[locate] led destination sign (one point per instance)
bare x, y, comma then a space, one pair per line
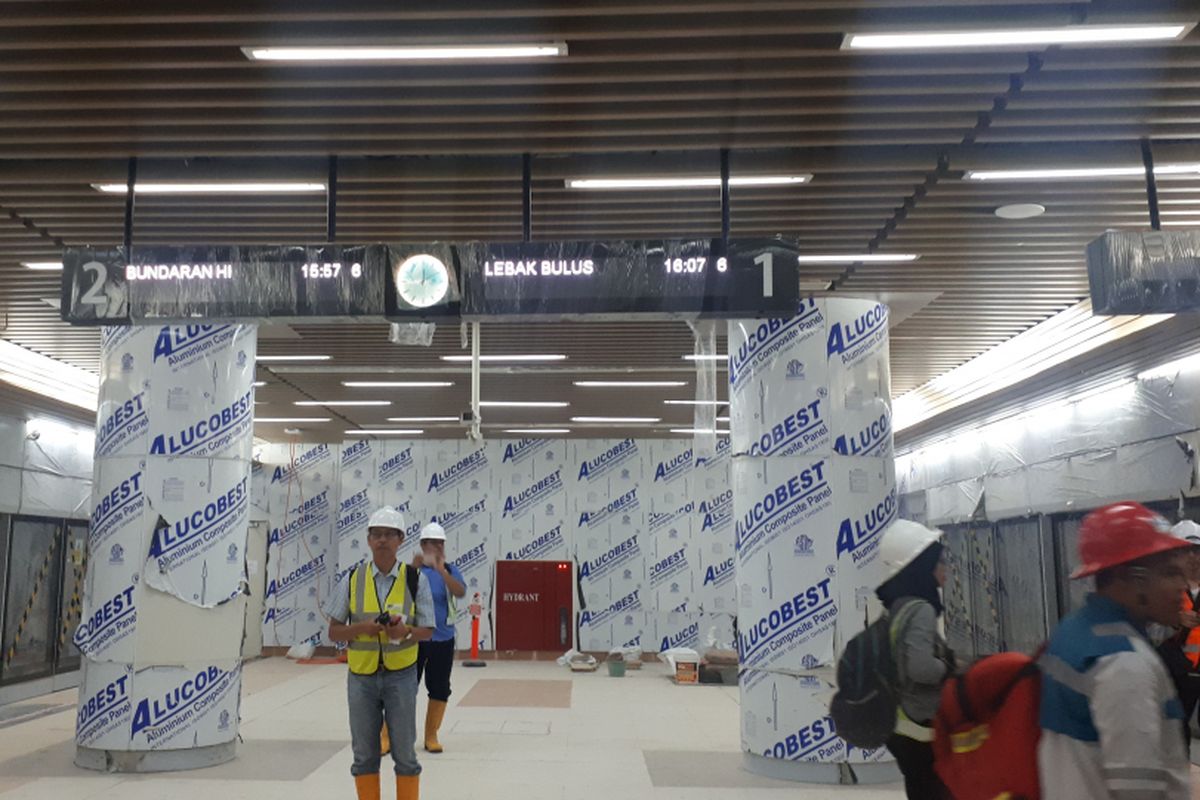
664, 279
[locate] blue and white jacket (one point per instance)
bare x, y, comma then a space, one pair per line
1111, 721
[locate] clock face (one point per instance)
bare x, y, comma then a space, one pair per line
422, 281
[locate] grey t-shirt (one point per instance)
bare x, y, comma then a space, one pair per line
922, 660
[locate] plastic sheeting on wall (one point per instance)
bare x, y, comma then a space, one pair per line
648, 523
1133, 441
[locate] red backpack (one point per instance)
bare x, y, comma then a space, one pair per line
987, 730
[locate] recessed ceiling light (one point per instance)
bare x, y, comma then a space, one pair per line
700, 431
536, 431
44, 266
290, 419
699, 182
696, 402
215, 187
1078, 173
384, 432
722, 419
1020, 211
713, 357
630, 384
616, 420
334, 403
857, 258
407, 53
411, 420
517, 357
1015, 37
396, 384
292, 358
522, 404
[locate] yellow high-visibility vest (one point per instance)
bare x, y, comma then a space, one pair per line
365, 652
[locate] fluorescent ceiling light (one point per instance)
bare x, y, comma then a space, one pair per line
630, 384
616, 420
1065, 336
334, 403
1078, 173
535, 431
700, 431
1015, 37
522, 404
514, 358
722, 419
396, 384
257, 384
411, 420
684, 182
696, 402
215, 187
48, 377
292, 358
857, 258
384, 432
407, 53
1020, 211
714, 357
44, 266
290, 419
1171, 369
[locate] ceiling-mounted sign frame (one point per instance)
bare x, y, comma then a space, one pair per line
665, 279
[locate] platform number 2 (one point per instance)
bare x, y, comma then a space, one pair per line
93, 296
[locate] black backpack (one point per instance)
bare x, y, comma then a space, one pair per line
864, 708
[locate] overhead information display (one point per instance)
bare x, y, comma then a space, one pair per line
705, 277
476, 280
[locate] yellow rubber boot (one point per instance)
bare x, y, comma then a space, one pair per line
408, 787
367, 786
433, 721
385, 743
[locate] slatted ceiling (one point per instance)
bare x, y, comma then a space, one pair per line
647, 89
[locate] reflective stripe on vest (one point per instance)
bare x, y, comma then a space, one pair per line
365, 652
1191, 638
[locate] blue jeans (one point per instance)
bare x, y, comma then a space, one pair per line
372, 699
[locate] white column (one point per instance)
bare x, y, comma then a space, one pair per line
164, 606
813, 488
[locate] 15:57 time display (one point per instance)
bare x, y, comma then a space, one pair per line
329, 270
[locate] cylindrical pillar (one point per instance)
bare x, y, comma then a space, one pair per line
813, 488
164, 609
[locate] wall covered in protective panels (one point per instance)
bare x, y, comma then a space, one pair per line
648, 524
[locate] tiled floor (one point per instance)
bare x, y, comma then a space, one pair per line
612, 738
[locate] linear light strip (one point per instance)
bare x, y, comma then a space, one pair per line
700, 431
1079, 173
267, 420
616, 420
630, 384
685, 182
291, 358
408, 52
411, 420
857, 258
43, 266
215, 187
1015, 37
520, 357
1064, 336
397, 384
384, 432
523, 404
348, 403
536, 431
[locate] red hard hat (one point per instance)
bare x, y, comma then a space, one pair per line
1121, 533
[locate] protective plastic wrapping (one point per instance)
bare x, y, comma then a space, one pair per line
704, 415
1145, 272
648, 525
1129, 442
813, 490
162, 607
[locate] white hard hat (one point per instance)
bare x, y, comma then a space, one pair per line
387, 517
433, 531
1188, 531
903, 541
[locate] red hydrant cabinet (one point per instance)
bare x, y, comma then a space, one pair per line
535, 605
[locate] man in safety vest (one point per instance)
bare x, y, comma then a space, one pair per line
382, 610
1109, 712
1187, 640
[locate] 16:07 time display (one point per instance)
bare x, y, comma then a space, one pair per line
329, 270
693, 265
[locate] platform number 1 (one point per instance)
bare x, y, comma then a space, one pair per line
767, 260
